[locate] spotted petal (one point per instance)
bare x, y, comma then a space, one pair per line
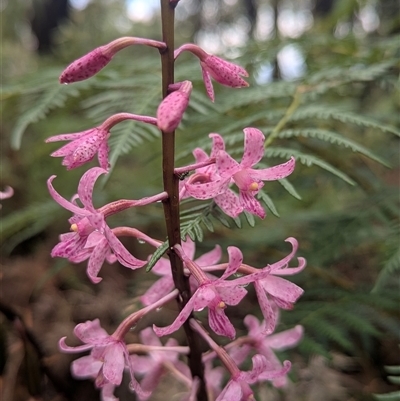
276, 172
253, 147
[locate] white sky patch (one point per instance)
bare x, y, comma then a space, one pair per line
291, 62
79, 4
293, 23
369, 18
139, 10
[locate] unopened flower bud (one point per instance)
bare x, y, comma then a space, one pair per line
91, 63
171, 109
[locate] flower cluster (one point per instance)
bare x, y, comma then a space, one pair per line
211, 286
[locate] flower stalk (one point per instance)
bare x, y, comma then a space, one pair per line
171, 205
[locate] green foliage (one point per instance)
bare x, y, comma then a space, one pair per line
394, 377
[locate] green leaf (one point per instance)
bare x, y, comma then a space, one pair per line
160, 251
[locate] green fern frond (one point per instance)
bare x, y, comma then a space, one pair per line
329, 112
332, 137
25, 223
307, 160
309, 346
39, 106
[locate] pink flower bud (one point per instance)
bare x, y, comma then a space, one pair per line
91, 63
171, 109
86, 66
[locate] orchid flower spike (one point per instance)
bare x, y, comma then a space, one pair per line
171, 109
222, 71
84, 145
94, 61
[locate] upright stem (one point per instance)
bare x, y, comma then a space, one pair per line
171, 204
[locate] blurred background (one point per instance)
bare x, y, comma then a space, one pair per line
324, 78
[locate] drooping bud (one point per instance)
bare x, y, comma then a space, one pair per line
171, 109
91, 63
224, 72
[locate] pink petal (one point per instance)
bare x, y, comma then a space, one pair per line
189, 247
251, 204
282, 289
218, 144
148, 337
203, 296
253, 325
253, 147
7, 193
160, 288
62, 201
162, 267
200, 155
86, 185
65, 150
210, 258
268, 312
123, 255
69, 246
114, 363
285, 339
107, 393
235, 260
231, 295
68, 137
276, 374
150, 381
226, 166
276, 172
72, 350
225, 73
86, 367
229, 203
220, 324
96, 261
231, 392
182, 317
207, 83
207, 190
260, 364
91, 332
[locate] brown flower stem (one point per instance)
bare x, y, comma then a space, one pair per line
171, 204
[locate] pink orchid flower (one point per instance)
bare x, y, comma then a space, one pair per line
86, 221
281, 293
163, 268
248, 180
266, 345
85, 145
153, 366
222, 71
228, 201
215, 294
238, 389
107, 360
